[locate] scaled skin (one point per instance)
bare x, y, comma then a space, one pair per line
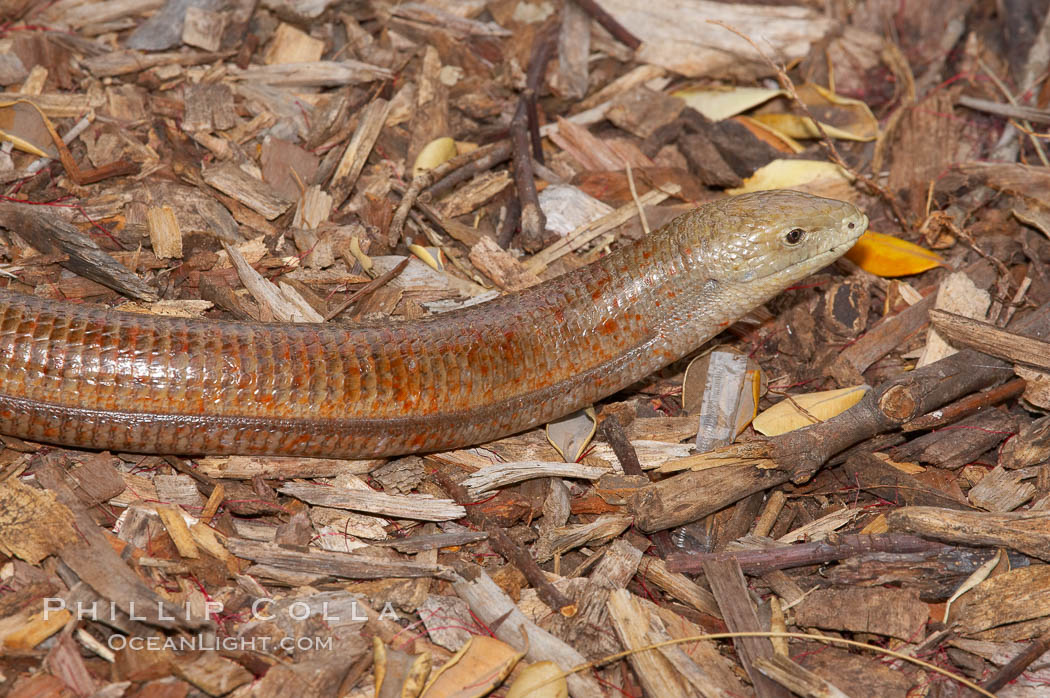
103, 379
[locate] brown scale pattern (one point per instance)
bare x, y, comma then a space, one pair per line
96, 378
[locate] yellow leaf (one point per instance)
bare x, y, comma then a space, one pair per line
781, 141
540, 680
717, 103
841, 117
885, 255
795, 126
786, 416
478, 667
791, 174
434, 153
431, 256
27, 127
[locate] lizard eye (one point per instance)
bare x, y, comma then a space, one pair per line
794, 236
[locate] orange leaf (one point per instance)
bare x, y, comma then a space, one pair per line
885, 255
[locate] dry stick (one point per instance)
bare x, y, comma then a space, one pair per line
1012, 669
967, 406
542, 52
490, 154
757, 562
609, 23
368, 288
533, 222
463, 167
613, 432
614, 435
509, 225
825, 140
504, 545
523, 128
797, 455
1006, 93
896, 402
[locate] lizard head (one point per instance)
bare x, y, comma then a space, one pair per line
777, 236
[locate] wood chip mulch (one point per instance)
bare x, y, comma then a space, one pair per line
356, 161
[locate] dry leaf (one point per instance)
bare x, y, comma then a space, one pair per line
885, 255
571, 434
787, 416
474, 670
434, 153
791, 174
27, 128
540, 680
717, 103
841, 117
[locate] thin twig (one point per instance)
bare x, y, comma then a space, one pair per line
609, 23
1010, 98
533, 222
368, 288
634, 195
1012, 669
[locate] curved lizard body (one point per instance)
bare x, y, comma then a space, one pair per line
104, 379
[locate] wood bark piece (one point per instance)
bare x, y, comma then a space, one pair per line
894, 613
214, 674
1011, 597
989, 339
92, 558
282, 303
498, 612
501, 474
459, 25
1026, 532
434, 541
500, 266
631, 623
734, 600
574, 48
52, 235
694, 495
1029, 447
314, 74
878, 477
248, 467
601, 530
417, 507
677, 585
589, 231
678, 37
587, 628
1000, 490
371, 123
117, 63
254, 193
164, 233
203, 28
796, 678
33, 525
840, 547
887, 336
471, 196
334, 564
